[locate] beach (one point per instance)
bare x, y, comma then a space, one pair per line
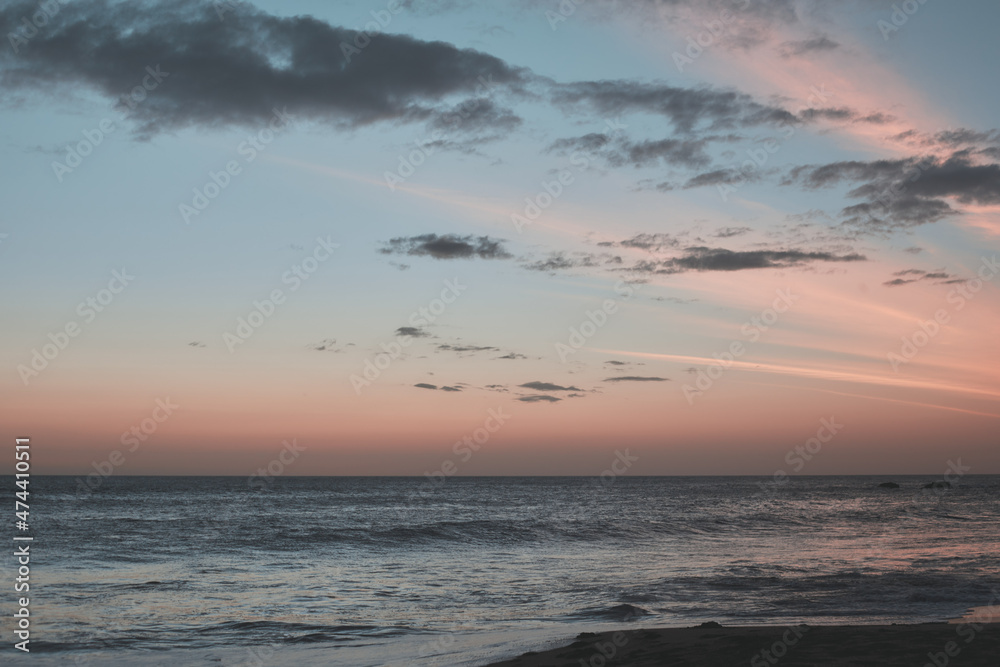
928, 644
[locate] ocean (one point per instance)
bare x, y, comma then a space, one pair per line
400, 571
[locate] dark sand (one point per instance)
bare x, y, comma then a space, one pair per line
875, 645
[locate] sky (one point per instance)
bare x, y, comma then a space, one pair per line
527, 238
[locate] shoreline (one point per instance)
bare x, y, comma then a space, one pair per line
961, 642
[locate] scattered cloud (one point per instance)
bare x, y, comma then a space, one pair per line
720, 259
653, 242
447, 347
425, 385
908, 276
687, 109
903, 193
412, 332
806, 46
327, 345
559, 261
729, 232
623, 152
547, 386
447, 246
725, 176
636, 378
538, 398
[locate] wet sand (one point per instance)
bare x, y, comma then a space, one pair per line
931, 644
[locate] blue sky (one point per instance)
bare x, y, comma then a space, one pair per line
839, 113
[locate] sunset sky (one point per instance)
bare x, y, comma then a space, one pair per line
567, 213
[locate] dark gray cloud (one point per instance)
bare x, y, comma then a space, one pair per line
424, 385
729, 232
622, 152
560, 261
446, 347
908, 276
539, 399
474, 115
687, 109
196, 343
683, 152
589, 142
636, 378
513, 355
547, 386
447, 246
905, 192
805, 46
875, 118
238, 70
327, 345
413, 332
654, 242
724, 176
842, 113
975, 141
845, 114
720, 259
